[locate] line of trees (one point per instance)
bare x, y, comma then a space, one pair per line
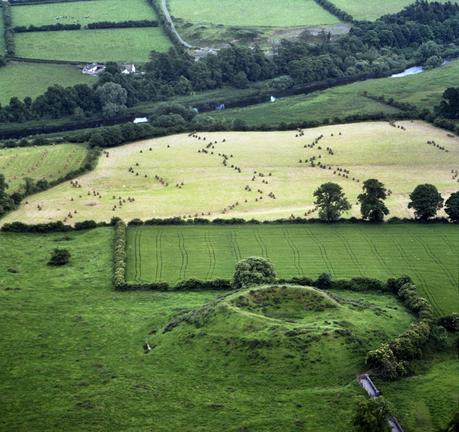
10, 47
425, 201
46, 28
334, 10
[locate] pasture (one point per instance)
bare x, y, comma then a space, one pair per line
250, 13
38, 77
82, 12
173, 176
373, 9
429, 254
129, 45
2, 30
87, 352
45, 162
423, 90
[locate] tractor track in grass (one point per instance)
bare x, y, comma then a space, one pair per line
349, 250
322, 250
234, 245
212, 258
261, 244
434, 258
159, 260
295, 251
375, 251
184, 254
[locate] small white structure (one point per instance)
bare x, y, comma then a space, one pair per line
140, 120
273, 99
128, 69
93, 69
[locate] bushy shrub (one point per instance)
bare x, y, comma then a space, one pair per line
119, 256
59, 257
253, 271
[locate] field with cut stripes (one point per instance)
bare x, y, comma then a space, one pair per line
45, 162
429, 254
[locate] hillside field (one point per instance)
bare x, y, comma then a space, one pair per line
429, 254
153, 188
85, 368
423, 90
38, 76
129, 45
44, 162
2, 39
252, 13
82, 12
373, 9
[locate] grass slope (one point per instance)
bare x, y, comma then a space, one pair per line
423, 90
429, 254
252, 13
400, 159
32, 79
46, 162
373, 9
82, 12
2, 30
130, 45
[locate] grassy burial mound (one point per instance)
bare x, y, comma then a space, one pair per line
207, 21
427, 253
423, 90
262, 175
49, 162
296, 347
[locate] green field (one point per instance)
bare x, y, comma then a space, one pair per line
2, 39
373, 149
373, 9
130, 45
423, 90
82, 12
32, 79
252, 13
45, 162
83, 367
430, 254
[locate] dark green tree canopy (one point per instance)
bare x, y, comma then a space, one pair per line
253, 271
452, 207
372, 199
425, 201
371, 415
332, 201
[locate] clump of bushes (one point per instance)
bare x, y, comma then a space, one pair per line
253, 271
119, 256
59, 257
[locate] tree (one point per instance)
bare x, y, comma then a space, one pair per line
253, 271
371, 201
113, 99
6, 202
59, 257
331, 201
449, 106
452, 207
371, 415
426, 201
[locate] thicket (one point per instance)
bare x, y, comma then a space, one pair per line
119, 255
46, 28
122, 24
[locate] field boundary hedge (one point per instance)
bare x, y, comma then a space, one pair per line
10, 47
336, 11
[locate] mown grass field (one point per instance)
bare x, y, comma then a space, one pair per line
250, 13
373, 9
130, 45
400, 159
423, 90
37, 163
72, 356
82, 12
429, 254
32, 79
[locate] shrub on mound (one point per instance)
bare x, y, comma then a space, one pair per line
253, 271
